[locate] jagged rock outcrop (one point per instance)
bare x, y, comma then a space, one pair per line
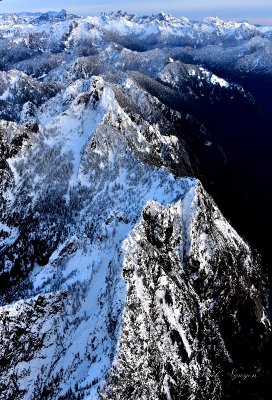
186, 268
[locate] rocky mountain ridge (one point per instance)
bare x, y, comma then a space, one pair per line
120, 277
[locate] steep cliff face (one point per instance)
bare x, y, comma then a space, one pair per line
120, 278
193, 307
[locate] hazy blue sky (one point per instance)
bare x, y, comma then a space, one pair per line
252, 10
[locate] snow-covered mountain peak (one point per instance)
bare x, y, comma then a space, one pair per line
120, 277
55, 16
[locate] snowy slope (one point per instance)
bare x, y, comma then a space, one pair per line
120, 278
